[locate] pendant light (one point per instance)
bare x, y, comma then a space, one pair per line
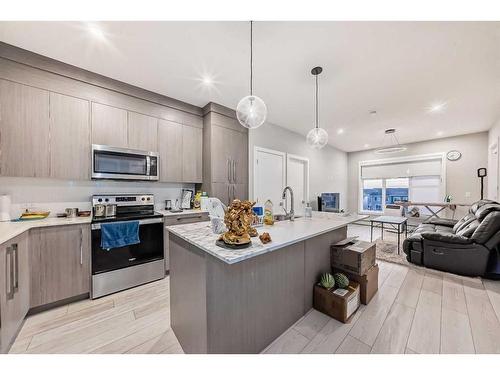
251, 110
317, 137
393, 145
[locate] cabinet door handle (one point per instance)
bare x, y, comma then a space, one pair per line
229, 170
10, 290
234, 171
81, 246
15, 249
189, 217
228, 194
234, 194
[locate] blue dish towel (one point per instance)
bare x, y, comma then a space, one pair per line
119, 234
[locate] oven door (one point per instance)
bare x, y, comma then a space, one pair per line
123, 164
150, 248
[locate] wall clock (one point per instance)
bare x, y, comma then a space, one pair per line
453, 155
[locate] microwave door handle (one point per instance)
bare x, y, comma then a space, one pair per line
148, 165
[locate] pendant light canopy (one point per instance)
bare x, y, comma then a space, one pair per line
393, 144
251, 110
317, 137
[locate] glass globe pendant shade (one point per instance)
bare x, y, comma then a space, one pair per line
251, 112
317, 138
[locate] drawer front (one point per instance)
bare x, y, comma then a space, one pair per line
186, 218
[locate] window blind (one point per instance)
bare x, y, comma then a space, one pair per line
404, 169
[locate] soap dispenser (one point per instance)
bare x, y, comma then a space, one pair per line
308, 211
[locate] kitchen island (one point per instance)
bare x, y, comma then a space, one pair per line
239, 301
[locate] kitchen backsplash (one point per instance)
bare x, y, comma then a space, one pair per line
56, 195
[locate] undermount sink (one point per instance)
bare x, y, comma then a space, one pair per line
281, 217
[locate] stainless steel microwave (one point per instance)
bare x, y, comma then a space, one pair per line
124, 164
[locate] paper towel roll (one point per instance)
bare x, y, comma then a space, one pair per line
5, 207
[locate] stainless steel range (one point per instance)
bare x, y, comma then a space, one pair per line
128, 266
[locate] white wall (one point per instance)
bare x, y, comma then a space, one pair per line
461, 175
55, 195
493, 171
327, 167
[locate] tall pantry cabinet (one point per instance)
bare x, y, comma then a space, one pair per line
225, 154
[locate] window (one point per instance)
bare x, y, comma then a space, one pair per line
372, 195
426, 189
396, 190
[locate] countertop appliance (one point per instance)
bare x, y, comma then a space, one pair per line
125, 267
124, 164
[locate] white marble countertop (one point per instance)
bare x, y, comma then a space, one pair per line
282, 233
11, 229
183, 212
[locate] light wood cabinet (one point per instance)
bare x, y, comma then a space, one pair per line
170, 150
69, 137
14, 288
109, 125
60, 263
221, 160
24, 130
192, 144
142, 132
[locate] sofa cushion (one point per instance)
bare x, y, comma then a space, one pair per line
477, 205
468, 229
463, 222
487, 228
447, 237
441, 221
485, 210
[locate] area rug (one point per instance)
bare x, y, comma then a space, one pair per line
388, 252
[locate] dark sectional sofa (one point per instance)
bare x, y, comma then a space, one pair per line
464, 246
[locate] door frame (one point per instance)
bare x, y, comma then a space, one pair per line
306, 162
256, 150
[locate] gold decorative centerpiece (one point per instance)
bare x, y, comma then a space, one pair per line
238, 219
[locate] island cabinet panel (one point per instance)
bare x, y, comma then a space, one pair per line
14, 288
317, 260
170, 149
109, 125
24, 130
60, 263
142, 132
192, 146
252, 302
69, 137
188, 295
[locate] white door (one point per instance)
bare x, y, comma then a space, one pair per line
297, 175
493, 172
269, 176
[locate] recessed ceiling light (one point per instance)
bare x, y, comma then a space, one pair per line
439, 133
207, 80
96, 31
437, 107
366, 145
340, 131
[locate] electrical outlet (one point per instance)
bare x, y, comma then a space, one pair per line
467, 194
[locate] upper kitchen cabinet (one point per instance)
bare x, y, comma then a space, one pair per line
109, 126
24, 130
192, 144
170, 150
225, 154
142, 132
69, 137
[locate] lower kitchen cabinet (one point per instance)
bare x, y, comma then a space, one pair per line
60, 263
14, 288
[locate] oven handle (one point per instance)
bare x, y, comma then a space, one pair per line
148, 165
96, 226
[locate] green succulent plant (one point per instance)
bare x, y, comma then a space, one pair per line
341, 280
327, 281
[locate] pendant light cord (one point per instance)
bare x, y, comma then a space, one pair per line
251, 57
317, 101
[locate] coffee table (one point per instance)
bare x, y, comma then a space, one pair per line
391, 220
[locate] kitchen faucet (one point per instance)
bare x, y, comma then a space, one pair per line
289, 215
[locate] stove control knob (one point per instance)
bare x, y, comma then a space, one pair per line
149, 199
99, 200
143, 198
106, 200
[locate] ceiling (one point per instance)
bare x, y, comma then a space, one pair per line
398, 69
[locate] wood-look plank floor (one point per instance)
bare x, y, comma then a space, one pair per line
416, 310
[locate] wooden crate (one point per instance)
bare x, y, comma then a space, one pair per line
338, 307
